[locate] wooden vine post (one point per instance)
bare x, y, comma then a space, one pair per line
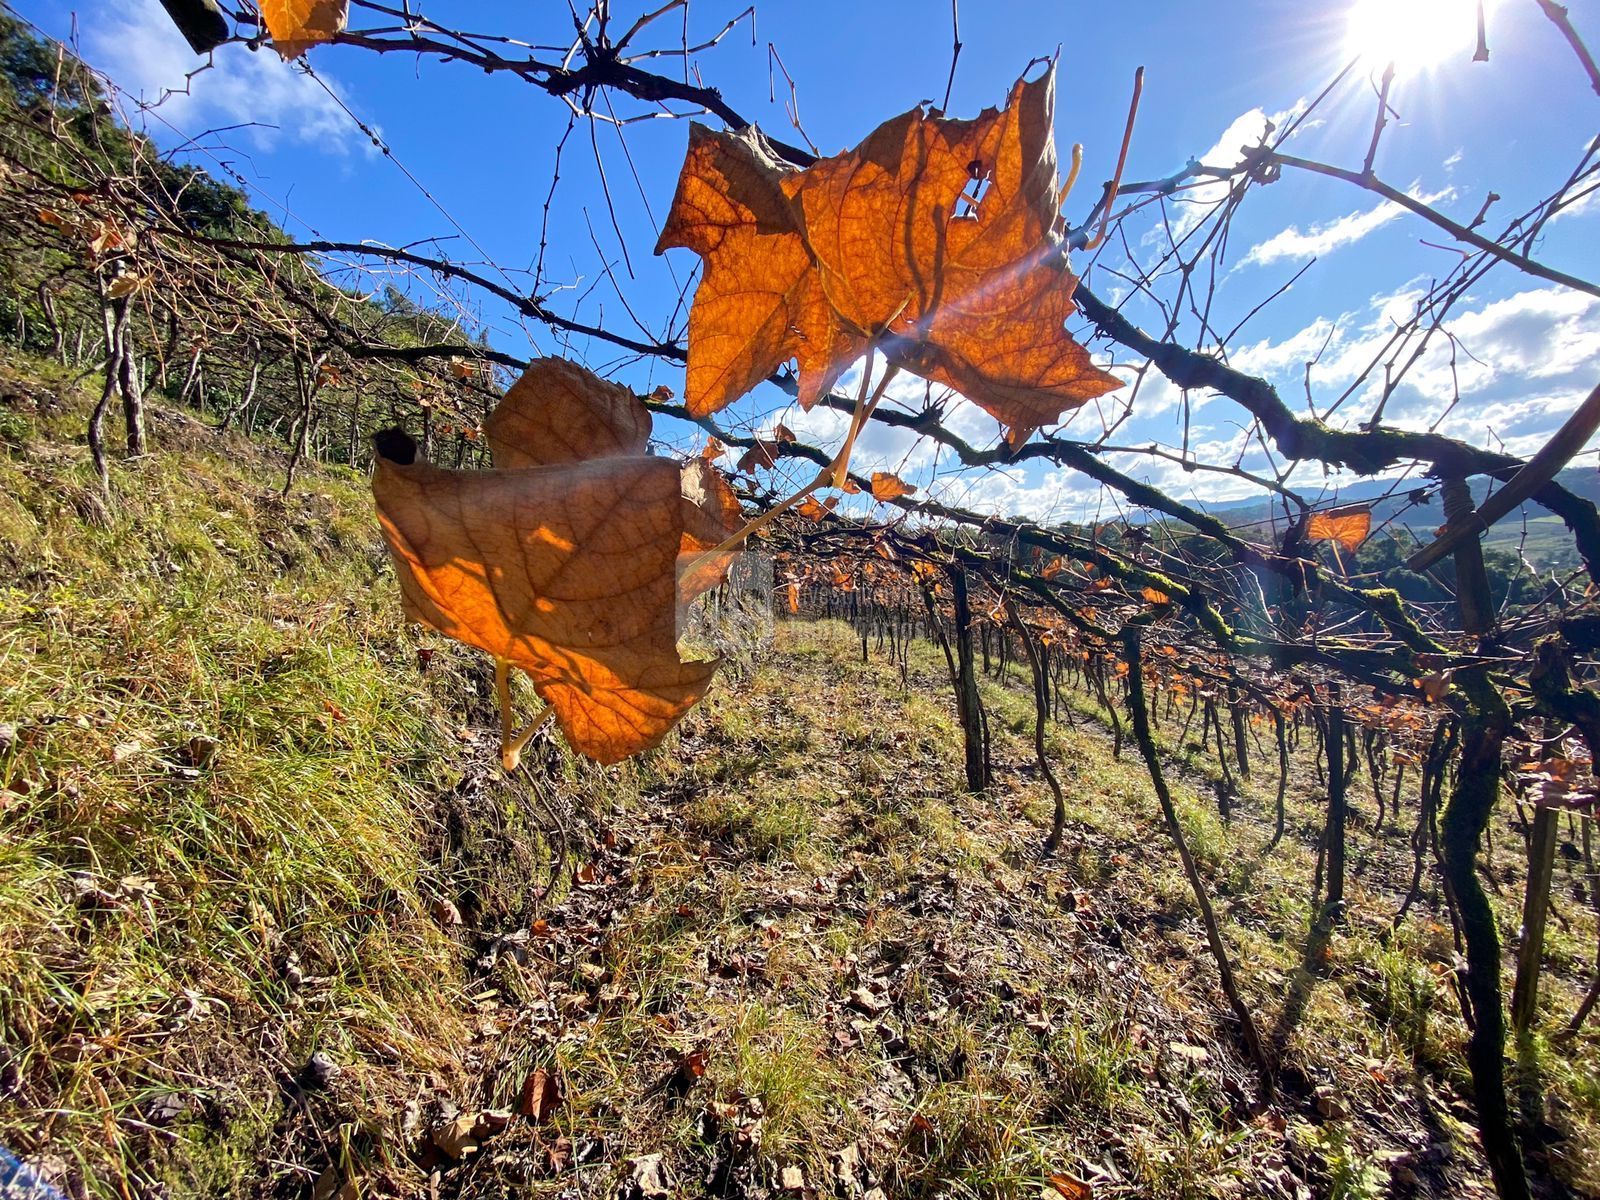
1041, 715
1535, 910
1337, 809
969, 704
1485, 723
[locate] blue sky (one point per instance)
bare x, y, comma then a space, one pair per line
473, 155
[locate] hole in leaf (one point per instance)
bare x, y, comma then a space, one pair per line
967, 206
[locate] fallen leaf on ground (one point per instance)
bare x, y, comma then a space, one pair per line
541, 1095
647, 1178
1068, 1186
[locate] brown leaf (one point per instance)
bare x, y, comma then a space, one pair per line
567, 572
1155, 595
125, 285
559, 412
557, 1155
1347, 526
457, 1139
541, 1096
888, 487
886, 237
297, 25
763, 455
1070, 1187
689, 1068
1435, 686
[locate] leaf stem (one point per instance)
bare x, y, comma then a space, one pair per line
511, 752
835, 474
1122, 161
511, 744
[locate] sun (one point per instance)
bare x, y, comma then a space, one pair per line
1414, 35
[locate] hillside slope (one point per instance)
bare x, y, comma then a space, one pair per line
272, 921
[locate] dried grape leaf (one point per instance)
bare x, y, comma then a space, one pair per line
568, 572
889, 241
297, 25
559, 412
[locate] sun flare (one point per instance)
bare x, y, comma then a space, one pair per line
1414, 35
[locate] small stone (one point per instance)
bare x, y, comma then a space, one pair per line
792, 1179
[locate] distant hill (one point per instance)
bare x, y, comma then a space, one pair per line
1543, 538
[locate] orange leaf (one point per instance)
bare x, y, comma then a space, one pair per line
759, 302
568, 572
888, 487
794, 597
297, 25
1070, 1187
1155, 596
799, 262
1435, 686
1347, 526
559, 412
713, 450
107, 237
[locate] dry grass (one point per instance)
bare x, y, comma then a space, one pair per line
883, 982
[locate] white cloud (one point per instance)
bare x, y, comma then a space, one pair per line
139, 49
1272, 359
1586, 204
1529, 349
1247, 130
1328, 236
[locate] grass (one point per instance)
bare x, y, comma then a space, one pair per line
219, 792
235, 802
